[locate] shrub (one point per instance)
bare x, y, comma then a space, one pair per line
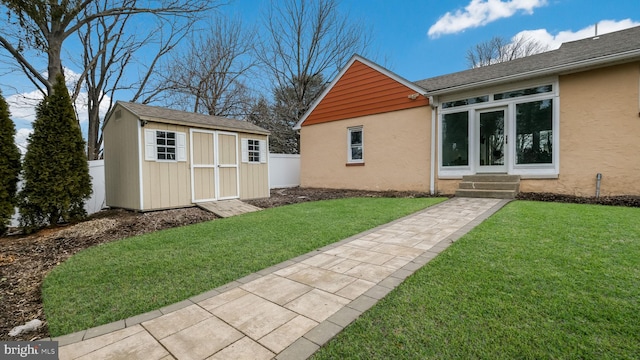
56, 173
9, 166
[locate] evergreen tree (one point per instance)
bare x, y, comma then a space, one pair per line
9, 166
56, 172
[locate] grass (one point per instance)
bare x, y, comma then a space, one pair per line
136, 275
534, 281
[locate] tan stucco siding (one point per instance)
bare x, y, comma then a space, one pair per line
121, 161
166, 184
395, 151
254, 177
599, 133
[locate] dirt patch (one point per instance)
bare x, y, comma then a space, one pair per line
25, 260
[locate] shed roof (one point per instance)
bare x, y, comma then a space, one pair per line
161, 114
619, 46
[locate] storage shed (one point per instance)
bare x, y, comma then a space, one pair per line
158, 158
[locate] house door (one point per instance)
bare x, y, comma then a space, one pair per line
214, 165
490, 127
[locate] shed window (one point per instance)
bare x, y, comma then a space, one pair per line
356, 145
166, 141
161, 145
253, 147
254, 151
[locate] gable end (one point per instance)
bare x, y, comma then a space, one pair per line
363, 90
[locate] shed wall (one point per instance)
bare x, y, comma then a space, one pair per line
122, 170
254, 178
396, 152
166, 184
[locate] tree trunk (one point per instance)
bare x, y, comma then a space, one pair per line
55, 63
93, 147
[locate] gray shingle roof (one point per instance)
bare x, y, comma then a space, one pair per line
621, 45
156, 113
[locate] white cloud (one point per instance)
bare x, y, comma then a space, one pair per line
479, 13
554, 41
23, 106
21, 139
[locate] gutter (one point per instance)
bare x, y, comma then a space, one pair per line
432, 175
553, 70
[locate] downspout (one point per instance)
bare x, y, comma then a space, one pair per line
432, 176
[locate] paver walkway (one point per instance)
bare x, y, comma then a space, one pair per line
289, 310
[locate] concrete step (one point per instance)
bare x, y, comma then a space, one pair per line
478, 193
491, 178
490, 185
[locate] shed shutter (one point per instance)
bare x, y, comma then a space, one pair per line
181, 146
150, 145
245, 151
263, 151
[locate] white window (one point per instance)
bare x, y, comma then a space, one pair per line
166, 145
356, 145
253, 148
254, 151
527, 133
161, 145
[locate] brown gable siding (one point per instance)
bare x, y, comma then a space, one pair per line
363, 91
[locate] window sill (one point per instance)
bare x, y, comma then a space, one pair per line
355, 164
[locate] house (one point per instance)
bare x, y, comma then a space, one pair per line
158, 158
554, 121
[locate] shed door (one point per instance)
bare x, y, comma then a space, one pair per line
203, 166
228, 179
214, 165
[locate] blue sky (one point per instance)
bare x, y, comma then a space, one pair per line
424, 38
400, 29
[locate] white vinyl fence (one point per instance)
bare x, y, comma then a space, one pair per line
97, 200
284, 171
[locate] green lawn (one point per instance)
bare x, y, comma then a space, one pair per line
534, 281
136, 275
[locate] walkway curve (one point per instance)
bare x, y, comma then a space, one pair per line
289, 310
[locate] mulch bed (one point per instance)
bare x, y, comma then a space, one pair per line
25, 260
630, 201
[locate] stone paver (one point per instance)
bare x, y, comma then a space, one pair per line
289, 310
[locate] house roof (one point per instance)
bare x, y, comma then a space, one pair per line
619, 46
161, 114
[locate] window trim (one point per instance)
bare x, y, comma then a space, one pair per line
350, 146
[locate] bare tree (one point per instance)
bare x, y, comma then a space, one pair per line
210, 76
42, 26
111, 46
305, 39
499, 50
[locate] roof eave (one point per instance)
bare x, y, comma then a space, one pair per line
554, 70
208, 126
